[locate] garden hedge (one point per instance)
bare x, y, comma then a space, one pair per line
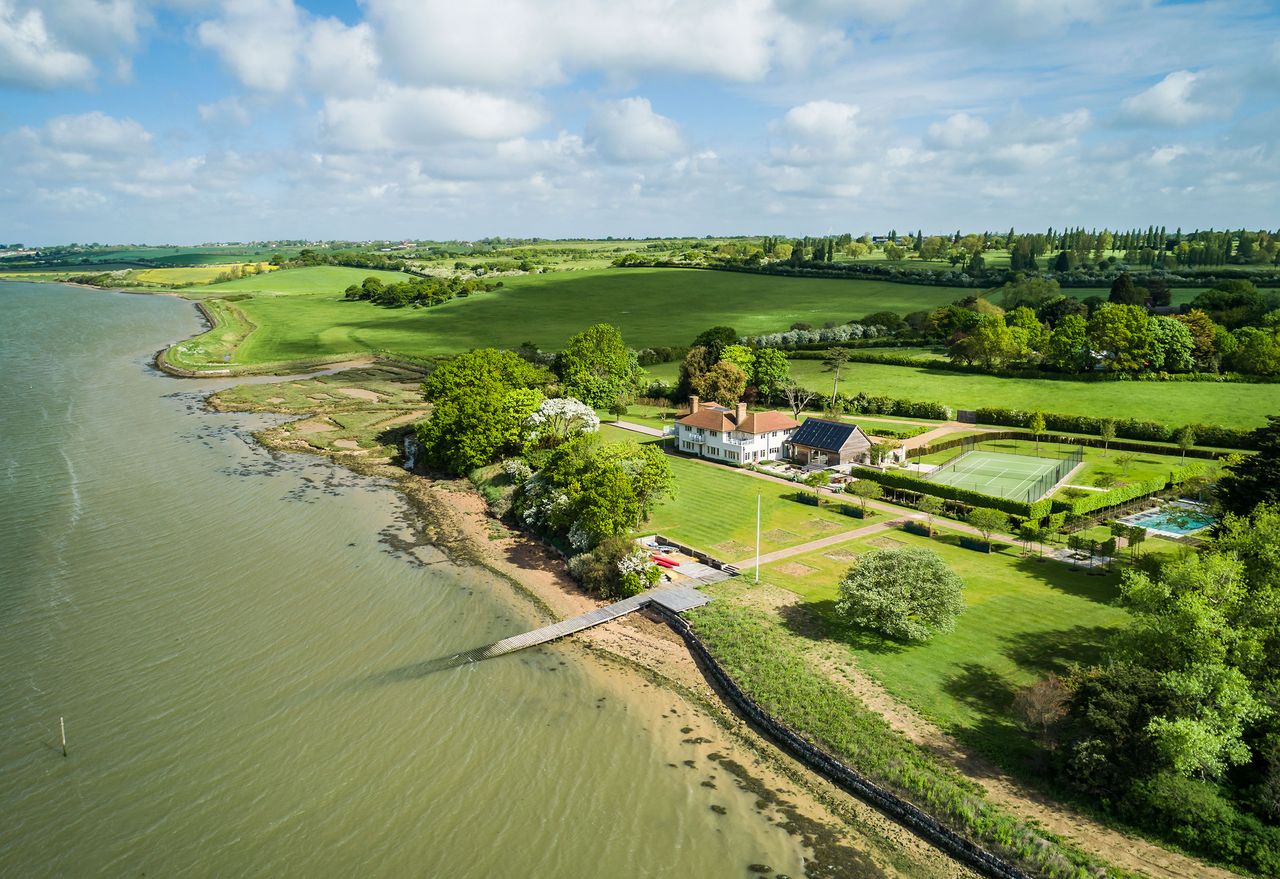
1129, 428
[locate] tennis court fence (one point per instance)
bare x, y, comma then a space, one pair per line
1065, 460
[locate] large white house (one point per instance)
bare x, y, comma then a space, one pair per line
733, 435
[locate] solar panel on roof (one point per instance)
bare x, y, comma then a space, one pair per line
821, 434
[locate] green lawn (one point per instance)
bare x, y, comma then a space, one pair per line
714, 510
1024, 619
1177, 403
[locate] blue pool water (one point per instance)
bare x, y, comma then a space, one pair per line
1173, 520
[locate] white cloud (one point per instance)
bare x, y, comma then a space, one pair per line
258, 40
958, 131
629, 131
31, 56
415, 119
1181, 98
502, 42
96, 134
817, 132
339, 59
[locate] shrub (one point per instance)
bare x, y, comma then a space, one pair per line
907, 594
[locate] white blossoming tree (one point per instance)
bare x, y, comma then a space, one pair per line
560, 419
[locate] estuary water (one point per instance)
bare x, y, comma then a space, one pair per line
227, 633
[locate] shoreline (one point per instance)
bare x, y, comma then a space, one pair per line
639, 654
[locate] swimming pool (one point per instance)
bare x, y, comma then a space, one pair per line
1176, 520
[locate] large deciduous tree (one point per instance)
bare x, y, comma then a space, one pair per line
597, 368
724, 383
480, 405
769, 372
906, 594
1123, 335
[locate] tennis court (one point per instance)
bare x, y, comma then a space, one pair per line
1017, 477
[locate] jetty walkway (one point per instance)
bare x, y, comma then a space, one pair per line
672, 598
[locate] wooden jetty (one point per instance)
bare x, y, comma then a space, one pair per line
673, 598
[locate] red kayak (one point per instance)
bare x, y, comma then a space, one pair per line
664, 561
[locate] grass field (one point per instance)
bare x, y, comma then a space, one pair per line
306, 316
1024, 618
714, 509
1228, 404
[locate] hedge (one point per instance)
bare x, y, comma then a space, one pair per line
1036, 510
1151, 431
1095, 442
871, 404
1113, 498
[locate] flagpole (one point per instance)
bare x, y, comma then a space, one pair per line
757, 538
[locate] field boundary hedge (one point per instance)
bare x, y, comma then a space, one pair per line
1128, 428
827, 766
1093, 441
857, 355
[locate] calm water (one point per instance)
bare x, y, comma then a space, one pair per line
222, 628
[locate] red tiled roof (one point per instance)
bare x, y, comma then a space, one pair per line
763, 422
754, 423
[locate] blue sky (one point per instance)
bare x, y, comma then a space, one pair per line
192, 120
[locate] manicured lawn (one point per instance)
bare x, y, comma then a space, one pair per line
1025, 618
714, 510
1230, 404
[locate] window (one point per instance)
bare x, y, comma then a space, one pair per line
715, 433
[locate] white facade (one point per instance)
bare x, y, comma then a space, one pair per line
734, 446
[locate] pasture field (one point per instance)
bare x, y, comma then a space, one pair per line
1226, 403
301, 314
1024, 618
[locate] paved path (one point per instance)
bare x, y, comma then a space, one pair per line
820, 543
938, 432
638, 428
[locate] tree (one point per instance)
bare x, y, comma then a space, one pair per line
797, 396
1124, 461
865, 490
481, 403
1107, 432
834, 361
930, 505
715, 340
740, 356
987, 522
1254, 479
816, 480
560, 419
991, 343
769, 372
724, 383
1042, 705
1068, 347
1171, 345
597, 368
1185, 439
1204, 347
695, 365
1031, 292
1123, 291
1186, 624
591, 490
1257, 351
906, 594
1036, 425
1122, 334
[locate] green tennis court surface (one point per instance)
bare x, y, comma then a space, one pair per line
1017, 477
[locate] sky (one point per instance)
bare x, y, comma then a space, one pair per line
184, 121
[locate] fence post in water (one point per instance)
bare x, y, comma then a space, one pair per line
62, 722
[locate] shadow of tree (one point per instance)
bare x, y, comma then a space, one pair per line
1056, 651
819, 621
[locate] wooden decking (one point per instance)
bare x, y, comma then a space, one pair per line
674, 598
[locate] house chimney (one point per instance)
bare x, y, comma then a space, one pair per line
694, 404
742, 414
